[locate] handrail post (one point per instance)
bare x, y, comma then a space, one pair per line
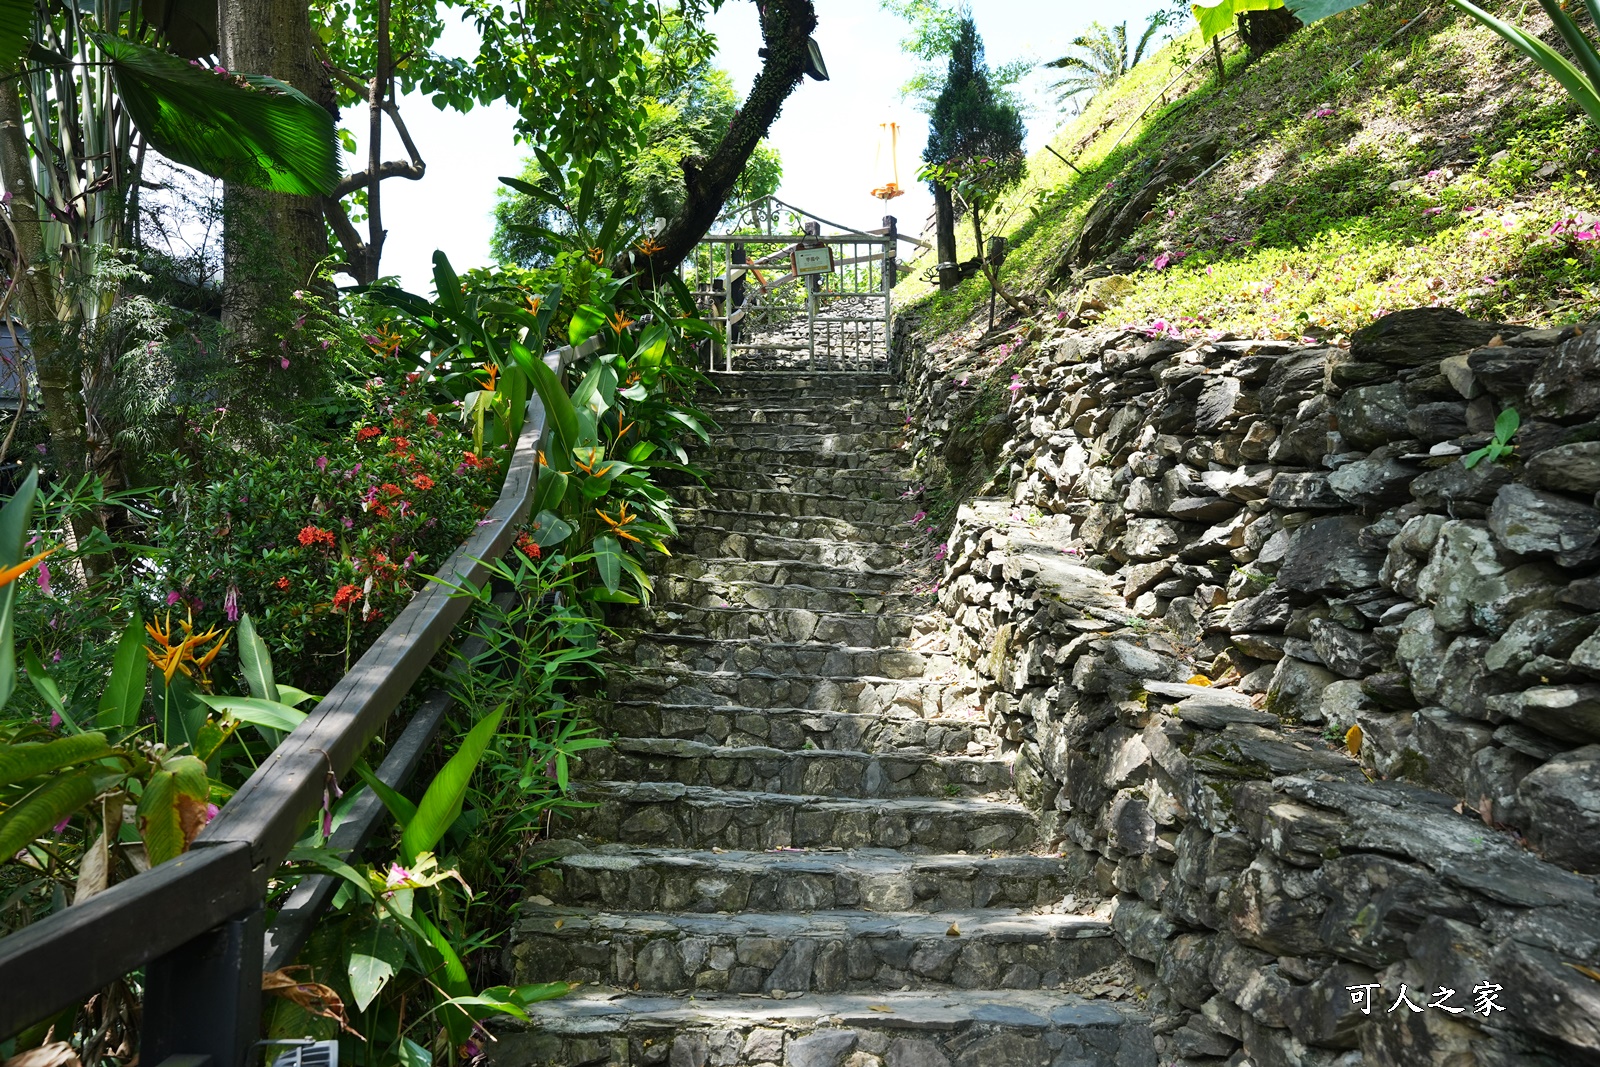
736, 293
891, 277
203, 999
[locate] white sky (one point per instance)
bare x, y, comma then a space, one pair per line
827, 133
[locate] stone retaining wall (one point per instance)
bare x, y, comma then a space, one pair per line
1387, 777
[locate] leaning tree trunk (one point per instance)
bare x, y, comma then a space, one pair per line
273, 242
786, 26
1265, 30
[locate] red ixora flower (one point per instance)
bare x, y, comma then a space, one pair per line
400, 444
381, 510
432, 419
346, 596
367, 433
470, 459
526, 544
390, 490
282, 583
311, 535
422, 481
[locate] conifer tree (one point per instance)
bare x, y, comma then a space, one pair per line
969, 123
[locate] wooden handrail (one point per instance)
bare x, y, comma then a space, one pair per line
67, 956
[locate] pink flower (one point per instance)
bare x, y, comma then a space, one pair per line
284, 363
230, 603
322, 463
44, 578
941, 552
173, 597
55, 721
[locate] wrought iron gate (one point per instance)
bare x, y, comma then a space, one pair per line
774, 315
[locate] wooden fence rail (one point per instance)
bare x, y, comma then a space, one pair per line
195, 922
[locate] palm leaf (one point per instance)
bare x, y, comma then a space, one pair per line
247, 128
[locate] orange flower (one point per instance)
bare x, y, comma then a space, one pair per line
346, 596
649, 246
422, 481
311, 536
282, 583
597, 254
529, 549
390, 490
617, 524
620, 321
399, 444
367, 433
11, 574
432, 419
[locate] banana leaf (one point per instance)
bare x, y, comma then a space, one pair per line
245, 128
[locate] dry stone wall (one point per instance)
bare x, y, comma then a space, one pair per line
1386, 785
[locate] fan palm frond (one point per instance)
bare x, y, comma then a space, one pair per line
244, 128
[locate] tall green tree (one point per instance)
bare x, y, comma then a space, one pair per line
1099, 57
970, 126
933, 27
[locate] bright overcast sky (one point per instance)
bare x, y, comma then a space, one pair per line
827, 133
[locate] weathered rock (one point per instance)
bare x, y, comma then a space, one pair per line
1531, 522
1438, 421
1567, 386
1567, 712
1571, 468
1560, 805
1447, 744
1327, 556
1351, 653
1419, 336
1304, 491
1372, 415
1465, 492
1377, 481
1296, 689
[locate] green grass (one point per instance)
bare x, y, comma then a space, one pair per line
1363, 172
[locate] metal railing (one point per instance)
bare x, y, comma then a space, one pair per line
195, 923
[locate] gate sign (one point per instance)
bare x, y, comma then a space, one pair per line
812, 260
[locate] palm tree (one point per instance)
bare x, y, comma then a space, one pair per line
1100, 56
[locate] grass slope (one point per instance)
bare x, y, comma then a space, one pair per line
1393, 156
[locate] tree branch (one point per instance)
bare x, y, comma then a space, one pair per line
785, 27
394, 168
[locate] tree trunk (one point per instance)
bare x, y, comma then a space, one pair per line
1264, 30
58, 368
273, 242
786, 27
944, 224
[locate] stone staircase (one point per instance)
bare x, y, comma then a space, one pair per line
805, 848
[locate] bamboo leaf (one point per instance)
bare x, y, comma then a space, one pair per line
441, 803
46, 807
244, 128
18, 763
255, 660
15, 518
47, 689
124, 694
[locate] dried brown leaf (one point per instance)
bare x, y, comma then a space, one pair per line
313, 997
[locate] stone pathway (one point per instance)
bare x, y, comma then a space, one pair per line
805, 849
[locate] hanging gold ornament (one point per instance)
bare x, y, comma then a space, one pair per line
888, 135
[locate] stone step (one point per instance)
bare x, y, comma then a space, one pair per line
790, 624
719, 453
889, 511
785, 525
670, 651
795, 439
821, 951
793, 728
735, 418
711, 542
647, 879
692, 816
972, 1028
802, 772
715, 592
802, 388
864, 695
778, 572
732, 471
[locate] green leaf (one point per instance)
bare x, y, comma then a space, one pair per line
29, 759
264, 133
130, 669
255, 660
550, 491
15, 518
330, 862
552, 529
47, 689
411, 1054
46, 807
1505, 427
608, 561
586, 322
441, 802
265, 713
1309, 11
376, 956
288, 694
401, 808
159, 811
16, 31
560, 416
1219, 19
